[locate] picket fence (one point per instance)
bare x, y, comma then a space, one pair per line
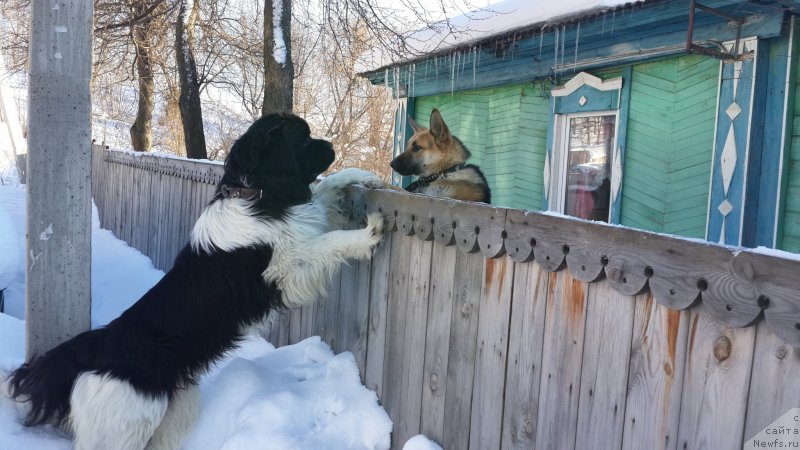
488, 328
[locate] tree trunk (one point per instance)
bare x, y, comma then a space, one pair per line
191, 110
142, 129
278, 67
59, 226
172, 121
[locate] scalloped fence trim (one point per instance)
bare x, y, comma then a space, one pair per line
736, 285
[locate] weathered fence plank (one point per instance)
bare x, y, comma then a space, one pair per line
774, 386
655, 378
378, 304
461, 360
565, 319
604, 371
492, 354
330, 321
394, 350
416, 318
354, 316
525, 343
715, 384
437, 341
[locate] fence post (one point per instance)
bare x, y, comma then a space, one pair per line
58, 268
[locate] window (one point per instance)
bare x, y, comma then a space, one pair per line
584, 152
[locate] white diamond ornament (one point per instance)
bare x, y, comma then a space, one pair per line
725, 207
616, 175
547, 175
728, 160
733, 110
583, 100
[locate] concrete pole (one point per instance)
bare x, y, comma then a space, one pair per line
58, 268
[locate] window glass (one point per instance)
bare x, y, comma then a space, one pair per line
590, 142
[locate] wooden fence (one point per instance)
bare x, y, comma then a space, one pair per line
613, 338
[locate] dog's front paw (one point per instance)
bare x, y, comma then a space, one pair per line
374, 228
347, 177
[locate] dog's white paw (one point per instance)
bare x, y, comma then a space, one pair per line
374, 228
347, 177
369, 237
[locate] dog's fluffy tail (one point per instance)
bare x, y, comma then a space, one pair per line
46, 381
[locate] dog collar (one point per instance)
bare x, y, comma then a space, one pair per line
424, 181
244, 193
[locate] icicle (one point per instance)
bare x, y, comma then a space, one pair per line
577, 37
563, 45
555, 50
604, 25
386, 78
513, 44
613, 16
413, 79
474, 64
541, 41
397, 80
452, 76
463, 65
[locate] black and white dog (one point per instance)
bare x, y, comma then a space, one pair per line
263, 242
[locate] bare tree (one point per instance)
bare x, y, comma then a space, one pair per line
141, 130
189, 101
278, 67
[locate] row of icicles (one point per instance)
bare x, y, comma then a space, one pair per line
461, 64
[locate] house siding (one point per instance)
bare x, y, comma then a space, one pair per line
790, 236
670, 144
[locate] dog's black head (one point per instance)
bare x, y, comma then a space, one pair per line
278, 155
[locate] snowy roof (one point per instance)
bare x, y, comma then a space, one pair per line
501, 18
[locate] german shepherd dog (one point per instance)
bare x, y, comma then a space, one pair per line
439, 159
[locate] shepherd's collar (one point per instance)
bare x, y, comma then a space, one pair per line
245, 193
424, 181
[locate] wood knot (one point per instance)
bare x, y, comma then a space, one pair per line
722, 348
434, 381
780, 353
529, 427
667, 369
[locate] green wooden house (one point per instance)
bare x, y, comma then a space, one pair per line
666, 115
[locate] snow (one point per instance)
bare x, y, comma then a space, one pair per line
279, 49
420, 442
464, 30
10, 263
300, 396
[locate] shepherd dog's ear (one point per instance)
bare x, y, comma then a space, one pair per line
439, 129
414, 125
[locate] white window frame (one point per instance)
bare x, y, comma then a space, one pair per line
561, 137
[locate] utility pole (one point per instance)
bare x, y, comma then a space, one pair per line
59, 231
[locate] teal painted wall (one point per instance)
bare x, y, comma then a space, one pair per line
505, 128
789, 229
670, 144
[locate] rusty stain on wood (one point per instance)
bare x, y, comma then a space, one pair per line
576, 301
692, 334
673, 325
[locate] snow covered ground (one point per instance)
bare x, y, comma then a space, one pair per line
296, 397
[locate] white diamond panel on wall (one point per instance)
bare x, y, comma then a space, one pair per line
547, 176
616, 174
728, 159
726, 213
